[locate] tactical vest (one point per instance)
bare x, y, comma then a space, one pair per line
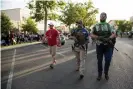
81, 39
80, 36
104, 31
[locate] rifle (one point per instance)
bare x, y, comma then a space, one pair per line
119, 51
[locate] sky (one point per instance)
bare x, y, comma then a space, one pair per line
115, 9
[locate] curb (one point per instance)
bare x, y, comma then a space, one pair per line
18, 46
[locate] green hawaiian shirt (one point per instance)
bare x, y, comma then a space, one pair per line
103, 29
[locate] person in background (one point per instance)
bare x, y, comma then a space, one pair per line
52, 37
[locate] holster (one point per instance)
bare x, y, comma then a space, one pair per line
83, 47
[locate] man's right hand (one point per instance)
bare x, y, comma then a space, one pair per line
101, 38
93, 36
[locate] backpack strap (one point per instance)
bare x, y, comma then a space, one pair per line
100, 27
109, 29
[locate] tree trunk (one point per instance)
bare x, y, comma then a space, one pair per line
45, 20
69, 28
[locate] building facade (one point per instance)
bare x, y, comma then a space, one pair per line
17, 16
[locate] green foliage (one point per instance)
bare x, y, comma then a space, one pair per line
69, 14
43, 9
79, 11
53, 16
124, 25
30, 26
6, 24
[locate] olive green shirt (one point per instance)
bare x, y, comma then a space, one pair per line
104, 27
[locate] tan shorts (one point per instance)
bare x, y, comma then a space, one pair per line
53, 50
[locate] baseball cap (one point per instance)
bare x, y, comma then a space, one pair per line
51, 24
79, 22
103, 16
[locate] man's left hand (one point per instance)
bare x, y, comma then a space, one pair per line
113, 35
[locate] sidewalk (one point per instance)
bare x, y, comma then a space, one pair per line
18, 45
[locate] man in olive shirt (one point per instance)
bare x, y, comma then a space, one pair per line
103, 34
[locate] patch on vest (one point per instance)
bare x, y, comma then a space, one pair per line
103, 27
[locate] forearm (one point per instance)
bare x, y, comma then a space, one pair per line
113, 36
94, 36
58, 38
44, 37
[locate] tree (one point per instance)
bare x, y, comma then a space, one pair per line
124, 25
79, 11
43, 10
30, 26
69, 14
6, 24
128, 25
87, 13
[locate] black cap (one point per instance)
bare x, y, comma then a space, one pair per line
103, 16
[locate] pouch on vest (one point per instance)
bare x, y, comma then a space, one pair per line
80, 37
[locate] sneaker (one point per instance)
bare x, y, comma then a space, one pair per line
51, 66
81, 77
99, 78
106, 77
77, 69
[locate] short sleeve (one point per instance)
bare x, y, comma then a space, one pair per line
73, 32
113, 29
110, 28
46, 34
87, 33
57, 32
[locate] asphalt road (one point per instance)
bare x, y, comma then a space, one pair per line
31, 68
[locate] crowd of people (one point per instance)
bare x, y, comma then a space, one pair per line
18, 38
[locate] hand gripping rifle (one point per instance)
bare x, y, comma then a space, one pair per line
111, 43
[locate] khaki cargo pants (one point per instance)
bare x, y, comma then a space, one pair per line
80, 57
53, 50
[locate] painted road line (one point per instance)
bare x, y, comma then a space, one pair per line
9, 83
43, 66
91, 51
20, 61
65, 51
44, 51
